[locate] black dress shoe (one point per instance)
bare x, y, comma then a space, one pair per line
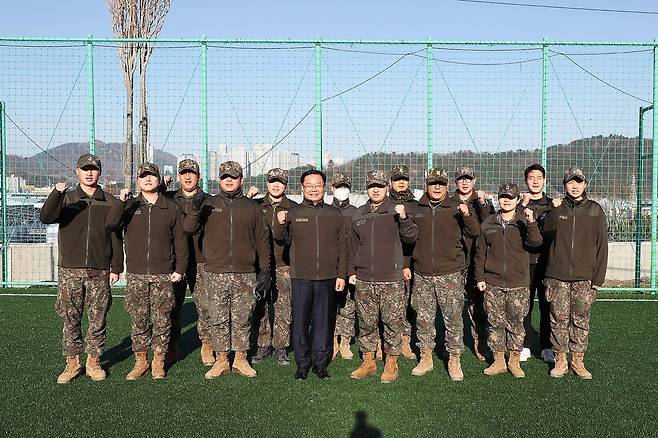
321, 373
301, 374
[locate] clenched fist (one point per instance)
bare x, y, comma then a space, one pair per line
399, 209
529, 215
482, 196
557, 202
482, 286
526, 199
175, 277
463, 208
282, 216
124, 194
253, 191
352, 280
167, 180
61, 187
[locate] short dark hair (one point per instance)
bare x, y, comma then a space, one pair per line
532, 167
313, 172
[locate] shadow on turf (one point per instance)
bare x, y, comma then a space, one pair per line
362, 429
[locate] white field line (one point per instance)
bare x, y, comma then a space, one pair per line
620, 300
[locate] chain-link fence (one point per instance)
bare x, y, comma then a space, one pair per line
347, 106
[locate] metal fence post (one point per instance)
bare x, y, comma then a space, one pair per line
544, 105
90, 94
204, 112
654, 171
638, 193
3, 169
318, 104
430, 134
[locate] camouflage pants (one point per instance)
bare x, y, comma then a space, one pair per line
506, 309
571, 305
447, 293
80, 288
345, 312
476, 311
279, 299
231, 302
193, 279
376, 299
149, 295
406, 325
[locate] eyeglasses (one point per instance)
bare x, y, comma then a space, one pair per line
314, 186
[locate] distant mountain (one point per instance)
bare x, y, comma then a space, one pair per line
58, 163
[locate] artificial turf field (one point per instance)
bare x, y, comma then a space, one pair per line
621, 400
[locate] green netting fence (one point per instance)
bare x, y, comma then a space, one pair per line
347, 106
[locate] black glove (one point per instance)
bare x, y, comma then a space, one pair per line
197, 201
263, 283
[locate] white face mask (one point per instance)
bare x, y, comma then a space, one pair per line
342, 193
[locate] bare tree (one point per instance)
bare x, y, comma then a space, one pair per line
151, 15
124, 25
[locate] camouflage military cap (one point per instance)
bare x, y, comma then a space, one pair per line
509, 189
230, 168
340, 179
188, 164
399, 171
89, 160
573, 173
464, 172
376, 178
277, 174
436, 175
148, 168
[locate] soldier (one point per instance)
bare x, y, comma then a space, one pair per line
577, 260
501, 272
438, 263
401, 195
278, 299
341, 185
188, 178
90, 261
476, 199
318, 267
379, 228
156, 257
537, 201
234, 238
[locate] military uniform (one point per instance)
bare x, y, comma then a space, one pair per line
194, 275
88, 251
346, 307
156, 247
474, 298
278, 300
439, 262
377, 260
407, 199
577, 262
235, 238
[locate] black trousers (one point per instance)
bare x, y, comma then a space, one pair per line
313, 300
538, 289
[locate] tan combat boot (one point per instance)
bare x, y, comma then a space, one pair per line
578, 367
158, 366
514, 364
93, 368
498, 366
240, 365
406, 348
478, 353
72, 370
220, 367
390, 373
141, 366
344, 347
380, 352
367, 368
455, 368
336, 347
207, 353
561, 365
425, 365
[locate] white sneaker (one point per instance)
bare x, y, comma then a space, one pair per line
548, 356
525, 355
